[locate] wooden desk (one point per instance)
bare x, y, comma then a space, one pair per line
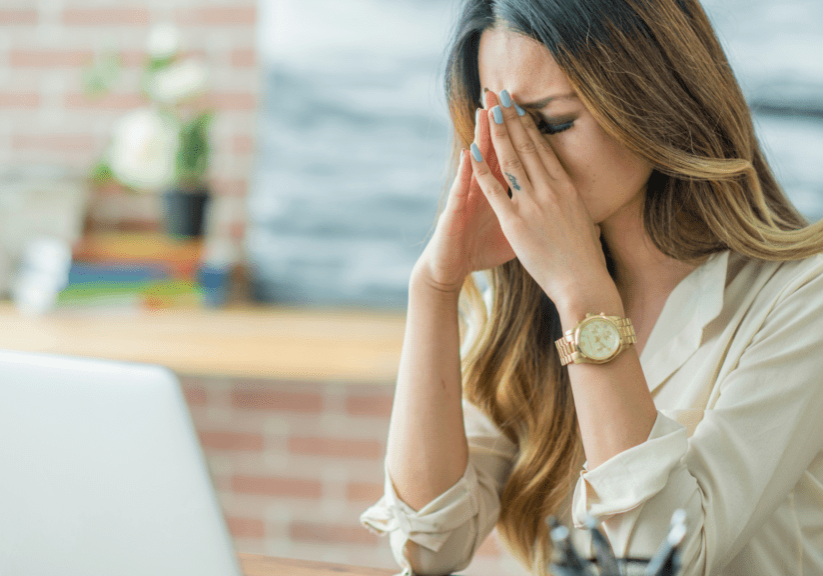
257, 565
361, 346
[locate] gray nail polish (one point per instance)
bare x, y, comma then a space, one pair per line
498, 114
520, 111
476, 153
505, 99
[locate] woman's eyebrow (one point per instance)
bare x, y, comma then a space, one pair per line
537, 104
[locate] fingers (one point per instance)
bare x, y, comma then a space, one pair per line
496, 194
519, 162
481, 129
463, 178
482, 136
456, 202
460, 185
554, 170
515, 147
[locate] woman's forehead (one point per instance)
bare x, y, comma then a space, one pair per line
521, 65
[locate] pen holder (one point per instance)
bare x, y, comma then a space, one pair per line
568, 562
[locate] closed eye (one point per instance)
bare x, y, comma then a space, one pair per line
546, 127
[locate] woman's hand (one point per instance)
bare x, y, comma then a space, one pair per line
468, 236
545, 221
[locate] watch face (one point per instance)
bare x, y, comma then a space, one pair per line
598, 339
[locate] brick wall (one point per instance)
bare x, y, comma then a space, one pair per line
296, 463
47, 119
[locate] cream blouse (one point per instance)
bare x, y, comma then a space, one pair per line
735, 366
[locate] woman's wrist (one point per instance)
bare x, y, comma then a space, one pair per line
593, 297
422, 280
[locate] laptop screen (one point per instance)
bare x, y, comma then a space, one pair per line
103, 473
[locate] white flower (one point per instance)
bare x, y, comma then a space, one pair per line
164, 41
144, 148
178, 81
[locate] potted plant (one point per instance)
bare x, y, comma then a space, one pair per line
163, 147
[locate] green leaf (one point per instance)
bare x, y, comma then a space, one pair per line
101, 173
194, 154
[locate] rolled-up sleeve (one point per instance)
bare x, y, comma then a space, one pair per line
746, 455
626, 481
449, 528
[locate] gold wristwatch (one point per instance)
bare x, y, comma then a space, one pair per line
597, 339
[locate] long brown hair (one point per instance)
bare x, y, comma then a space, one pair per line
655, 77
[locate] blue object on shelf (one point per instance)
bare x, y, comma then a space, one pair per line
215, 283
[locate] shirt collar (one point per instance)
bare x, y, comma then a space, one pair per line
678, 331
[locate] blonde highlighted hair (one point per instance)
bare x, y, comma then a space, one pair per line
655, 77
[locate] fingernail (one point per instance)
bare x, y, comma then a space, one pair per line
477, 116
520, 111
498, 114
505, 99
476, 153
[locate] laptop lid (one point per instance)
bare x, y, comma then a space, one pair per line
102, 473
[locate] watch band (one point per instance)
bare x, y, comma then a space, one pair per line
569, 352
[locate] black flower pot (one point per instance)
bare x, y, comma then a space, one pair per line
185, 212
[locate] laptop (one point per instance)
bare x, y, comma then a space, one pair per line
102, 473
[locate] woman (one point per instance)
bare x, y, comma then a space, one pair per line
630, 183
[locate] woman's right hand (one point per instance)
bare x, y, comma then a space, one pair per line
468, 236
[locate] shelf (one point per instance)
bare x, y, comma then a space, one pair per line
359, 346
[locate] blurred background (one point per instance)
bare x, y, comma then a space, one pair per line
239, 190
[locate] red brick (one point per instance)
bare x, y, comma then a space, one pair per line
133, 58
218, 16
28, 100
246, 527
54, 142
50, 58
275, 486
195, 395
108, 102
364, 491
277, 401
228, 440
127, 16
331, 534
232, 100
20, 17
369, 405
244, 57
336, 447
243, 144
81, 161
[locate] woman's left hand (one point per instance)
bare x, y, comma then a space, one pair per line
545, 220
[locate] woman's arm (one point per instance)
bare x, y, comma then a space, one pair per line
437, 488
447, 462
443, 535
552, 233
615, 410
748, 456
427, 451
